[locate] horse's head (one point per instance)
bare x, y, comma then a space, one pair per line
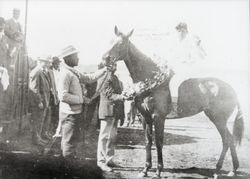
119, 49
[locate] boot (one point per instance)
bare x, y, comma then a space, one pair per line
174, 111
37, 140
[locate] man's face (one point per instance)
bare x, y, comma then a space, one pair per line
16, 14
75, 59
56, 65
182, 33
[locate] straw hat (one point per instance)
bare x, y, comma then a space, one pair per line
44, 59
69, 50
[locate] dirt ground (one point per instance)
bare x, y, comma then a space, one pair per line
191, 149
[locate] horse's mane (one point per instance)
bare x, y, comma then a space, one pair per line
140, 56
139, 65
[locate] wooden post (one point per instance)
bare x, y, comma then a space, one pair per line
22, 78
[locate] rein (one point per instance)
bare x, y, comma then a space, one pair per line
99, 90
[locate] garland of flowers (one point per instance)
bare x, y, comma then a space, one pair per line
149, 84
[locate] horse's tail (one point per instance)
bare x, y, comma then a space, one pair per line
238, 127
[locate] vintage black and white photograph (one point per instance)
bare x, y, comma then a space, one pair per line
124, 89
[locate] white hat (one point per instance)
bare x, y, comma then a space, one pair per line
69, 50
44, 59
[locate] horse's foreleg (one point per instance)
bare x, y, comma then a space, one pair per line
159, 135
148, 141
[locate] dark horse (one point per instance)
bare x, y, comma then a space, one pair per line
213, 96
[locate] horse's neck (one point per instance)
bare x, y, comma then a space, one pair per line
139, 65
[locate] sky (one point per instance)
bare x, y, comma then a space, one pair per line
222, 25
88, 25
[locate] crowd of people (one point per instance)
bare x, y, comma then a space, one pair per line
57, 93
11, 42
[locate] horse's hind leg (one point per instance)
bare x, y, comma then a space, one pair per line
148, 140
159, 135
228, 137
227, 140
233, 153
221, 127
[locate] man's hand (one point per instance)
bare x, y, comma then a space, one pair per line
40, 105
127, 98
108, 68
87, 100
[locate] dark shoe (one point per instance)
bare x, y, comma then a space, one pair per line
39, 140
113, 165
105, 167
47, 136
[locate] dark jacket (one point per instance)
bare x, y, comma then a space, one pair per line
54, 92
111, 100
4, 52
40, 87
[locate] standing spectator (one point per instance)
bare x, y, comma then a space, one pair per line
111, 109
71, 98
5, 92
14, 32
4, 46
54, 77
40, 87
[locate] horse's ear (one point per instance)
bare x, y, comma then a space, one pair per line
117, 32
130, 33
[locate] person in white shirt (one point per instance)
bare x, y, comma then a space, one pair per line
185, 58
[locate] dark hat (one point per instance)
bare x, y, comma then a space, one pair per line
44, 59
181, 25
55, 59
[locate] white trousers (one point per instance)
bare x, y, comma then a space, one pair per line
106, 140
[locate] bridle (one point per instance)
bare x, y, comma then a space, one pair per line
121, 57
112, 61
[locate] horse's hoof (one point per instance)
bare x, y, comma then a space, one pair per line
142, 174
216, 176
156, 176
231, 174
